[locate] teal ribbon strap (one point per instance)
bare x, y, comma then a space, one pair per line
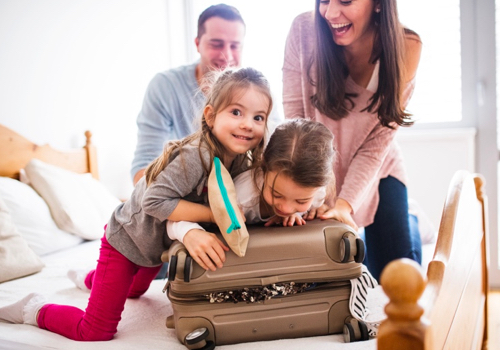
235, 225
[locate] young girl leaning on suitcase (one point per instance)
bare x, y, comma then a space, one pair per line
289, 186
233, 128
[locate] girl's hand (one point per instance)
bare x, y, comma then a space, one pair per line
340, 212
291, 220
205, 248
294, 219
315, 212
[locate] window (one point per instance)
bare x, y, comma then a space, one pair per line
438, 92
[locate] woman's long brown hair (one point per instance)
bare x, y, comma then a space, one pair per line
331, 97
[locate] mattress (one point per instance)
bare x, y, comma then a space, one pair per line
143, 320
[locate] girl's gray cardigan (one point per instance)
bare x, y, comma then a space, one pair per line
137, 228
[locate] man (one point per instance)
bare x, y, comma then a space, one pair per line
173, 100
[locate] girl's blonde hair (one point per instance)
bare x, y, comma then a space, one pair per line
302, 150
221, 89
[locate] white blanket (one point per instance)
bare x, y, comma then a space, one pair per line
143, 320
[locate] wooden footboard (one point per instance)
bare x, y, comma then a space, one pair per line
446, 309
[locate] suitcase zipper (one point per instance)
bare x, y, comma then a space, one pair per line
181, 298
194, 289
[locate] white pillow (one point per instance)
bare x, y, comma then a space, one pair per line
17, 259
31, 216
79, 203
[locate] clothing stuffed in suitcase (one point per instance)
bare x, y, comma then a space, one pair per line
299, 278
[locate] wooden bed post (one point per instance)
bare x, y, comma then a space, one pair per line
479, 181
91, 155
404, 283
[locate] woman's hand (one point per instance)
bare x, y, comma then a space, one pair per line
291, 220
340, 212
205, 248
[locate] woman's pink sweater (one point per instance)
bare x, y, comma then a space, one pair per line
367, 151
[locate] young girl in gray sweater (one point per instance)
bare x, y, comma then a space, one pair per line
233, 126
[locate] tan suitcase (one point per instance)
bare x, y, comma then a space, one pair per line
312, 264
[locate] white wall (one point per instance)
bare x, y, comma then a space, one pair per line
71, 66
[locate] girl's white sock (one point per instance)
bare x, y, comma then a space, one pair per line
78, 278
24, 310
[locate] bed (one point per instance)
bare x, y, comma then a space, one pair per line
437, 310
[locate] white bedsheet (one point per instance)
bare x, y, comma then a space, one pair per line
143, 320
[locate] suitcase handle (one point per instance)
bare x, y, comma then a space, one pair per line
180, 265
347, 249
360, 251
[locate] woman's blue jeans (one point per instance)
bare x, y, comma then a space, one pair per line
394, 232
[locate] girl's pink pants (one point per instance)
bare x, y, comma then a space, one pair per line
113, 281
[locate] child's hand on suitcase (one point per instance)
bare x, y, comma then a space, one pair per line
317, 212
205, 248
295, 219
312, 213
291, 220
340, 212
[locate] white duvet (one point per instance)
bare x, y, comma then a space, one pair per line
143, 320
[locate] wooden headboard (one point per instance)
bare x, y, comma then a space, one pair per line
16, 151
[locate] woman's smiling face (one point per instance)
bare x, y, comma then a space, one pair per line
350, 21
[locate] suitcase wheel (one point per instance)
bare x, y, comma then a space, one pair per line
349, 336
196, 340
355, 330
345, 249
360, 251
172, 268
364, 330
187, 268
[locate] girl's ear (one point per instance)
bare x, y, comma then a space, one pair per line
208, 113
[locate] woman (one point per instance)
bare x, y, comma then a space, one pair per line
351, 65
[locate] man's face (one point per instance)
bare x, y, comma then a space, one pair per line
221, 45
